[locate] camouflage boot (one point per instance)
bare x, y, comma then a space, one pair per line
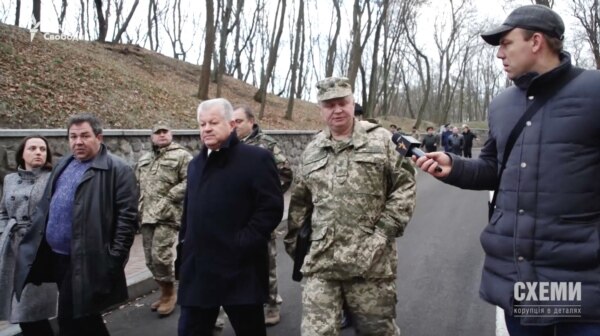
167, 304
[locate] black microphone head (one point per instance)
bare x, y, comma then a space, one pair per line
405, 144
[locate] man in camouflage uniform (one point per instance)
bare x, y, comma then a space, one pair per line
162, 175
250, 133
352, 185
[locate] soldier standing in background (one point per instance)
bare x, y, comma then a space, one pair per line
162, 175
352, 186
250, 133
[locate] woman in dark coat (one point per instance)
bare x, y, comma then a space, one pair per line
22, 191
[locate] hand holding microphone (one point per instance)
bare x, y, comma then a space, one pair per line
408, 146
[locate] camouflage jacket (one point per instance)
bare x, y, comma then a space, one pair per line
258, 138
162, 178
359, 195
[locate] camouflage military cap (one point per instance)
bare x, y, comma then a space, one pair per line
333, 87
161, 125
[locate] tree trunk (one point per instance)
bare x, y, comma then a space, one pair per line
18, 13
61, 18
331, 51
371, 103
37, 8
355, 52
261, 94
126, 23
295, 61
225, 29
209, 46
547, 3
102, 21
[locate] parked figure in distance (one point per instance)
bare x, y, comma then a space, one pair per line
430, 140
469, 137
455, 142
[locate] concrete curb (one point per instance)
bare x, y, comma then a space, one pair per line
11, 330
139, 284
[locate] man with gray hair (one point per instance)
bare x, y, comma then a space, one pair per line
232, 204
352, 187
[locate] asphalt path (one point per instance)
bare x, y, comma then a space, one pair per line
439, 270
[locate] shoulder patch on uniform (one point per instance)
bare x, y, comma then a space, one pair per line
369, 126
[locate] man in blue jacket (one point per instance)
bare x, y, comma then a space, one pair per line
542, 244
233, 202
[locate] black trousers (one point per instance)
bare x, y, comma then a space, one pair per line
246, 320
36, 328
90, 325
467, 152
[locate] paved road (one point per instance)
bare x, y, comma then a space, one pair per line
438, 275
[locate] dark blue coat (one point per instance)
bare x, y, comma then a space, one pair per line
546, 225
232, 204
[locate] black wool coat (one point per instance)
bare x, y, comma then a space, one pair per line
233, 202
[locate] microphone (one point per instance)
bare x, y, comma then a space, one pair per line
408, 146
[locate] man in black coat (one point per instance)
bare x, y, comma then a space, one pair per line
469, 137
82, 231
232, 204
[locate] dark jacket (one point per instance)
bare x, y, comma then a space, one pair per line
104, 225
546, 225
233, 203
455, 143
445, 136
430, 142
469, 137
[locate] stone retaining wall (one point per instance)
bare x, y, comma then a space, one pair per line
131, 144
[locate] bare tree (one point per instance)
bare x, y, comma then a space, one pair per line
261, 94
153, 25
123, 28
371, 101
37, 8
416, 58
18, 13
102, 19
331, 50
587, 13
209, 47
295, 60
60, 16
449, 45
225, 30
174, 29
358, 44
547, 3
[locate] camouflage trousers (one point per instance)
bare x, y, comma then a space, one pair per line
158, 240
372, 303
274, 298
